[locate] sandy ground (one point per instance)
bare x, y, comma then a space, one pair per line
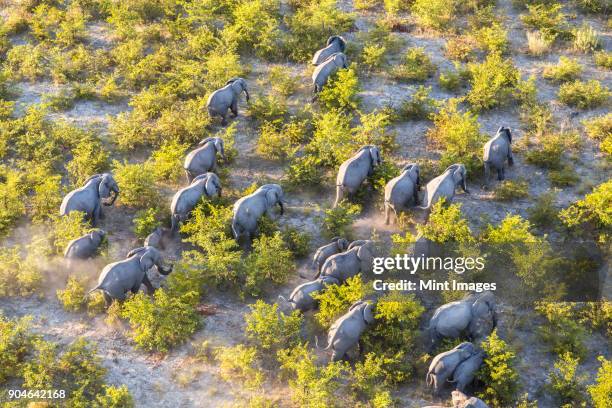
177, 379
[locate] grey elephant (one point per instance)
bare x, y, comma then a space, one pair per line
444, 185
466, 371
444, 364
357, 259
301, 299
227, 98
474, 314
460, 400
248, 209
347, 330
204, 158
335, 44
402, 191
186, 199
355, 170
86, 246
89, 199
120, 277
336, 246
322, 72
497, 151
157, 238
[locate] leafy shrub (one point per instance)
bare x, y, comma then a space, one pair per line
145, 221
311, 386
336, 299
337, 221
373, 56
548, 19
16, 342
297, 241
600, 391
47, 198
72, 297
12, 204
498, 372
460, 48
64, 229
269, 261
594, 209
562, 333
372, 377
563, 177
586, 39
492, 38
18, 276
239, 363
436, 14
419, 106
459, 135
341, 90
583, 95
282, 143
88, 158
538, 43
416, 66
603, 59
446, 224
492, 82
450, 81
543, 213
115, 397
564, 382
509, 190
268, 108
137, 184
270, 329
25, 62
161, 322
305, 171
600, 129
167, 161
281, 81
567, 69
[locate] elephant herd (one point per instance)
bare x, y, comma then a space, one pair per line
334, 262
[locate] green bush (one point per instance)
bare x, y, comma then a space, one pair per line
332, 142
583, 95
562, 332
602, 388
492, 82
563, 177
269, 261
337, 221
498, 373
419, 106
460, 48
268, 108
145, 222
594, 210
458, 133
336, 299
603, 59
281, 81
15, 343
47, 198
373, 56
600, 128
548, 19
161, 322
341, 90
509, 190
64, 229
567, 69
586, 39
18, 276
12, 204
167, 161
543, 213
297, 241
564, 382
304, 171
492, 37
137, 184
25, 62
446, 224
450, 81
269, 329
282, 143
435, 14
88, 158
72, 297
239, 363
416, 66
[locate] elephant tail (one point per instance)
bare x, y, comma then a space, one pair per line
429, 380
319, 347
236, 230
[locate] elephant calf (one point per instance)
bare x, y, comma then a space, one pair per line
186, 199
322, 72
250, 208
358, 258
227, 98
355, 170
402, 191
301, 299
89, 199
157, 238
444, 364
204, 158
335, 44
120, 277
336, 246
444, 185
476, 314
466, 371
86, 246
497, 151
346, 331
460, 400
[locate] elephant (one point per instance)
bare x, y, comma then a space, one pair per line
355, 170
496, 151
248, 209
120, 277
88, 198
157, 238
185, 200
322, 72
465, 372
335, 44
346, 331
402, 191
444, 185
444, 364
336, 246
204, 158
358, 258
86, 246
460, 400
301, 299
476, 314
227, 98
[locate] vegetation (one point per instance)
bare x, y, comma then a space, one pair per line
509, 190
600, 391
416, 66
337, 221
498, 372
270, 329
563, 333
336, 299
566, 70
583, 95
492, 82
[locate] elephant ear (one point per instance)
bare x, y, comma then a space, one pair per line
356, 304
271, 197
204, 141
364, 253
458, 174
104, 187
135, 251
331, 39
368, 313
147, 261
230, 81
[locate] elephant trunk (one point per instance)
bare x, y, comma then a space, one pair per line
246, 93
115, 194
164, 271
319, 347
282, 207
464, 186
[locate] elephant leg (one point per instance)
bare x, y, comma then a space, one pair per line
107, 299
503, 171
510, 158
486, 173
234, 107
224, 119
339, 195
96, 215
387, 214
148, 284
500, 174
